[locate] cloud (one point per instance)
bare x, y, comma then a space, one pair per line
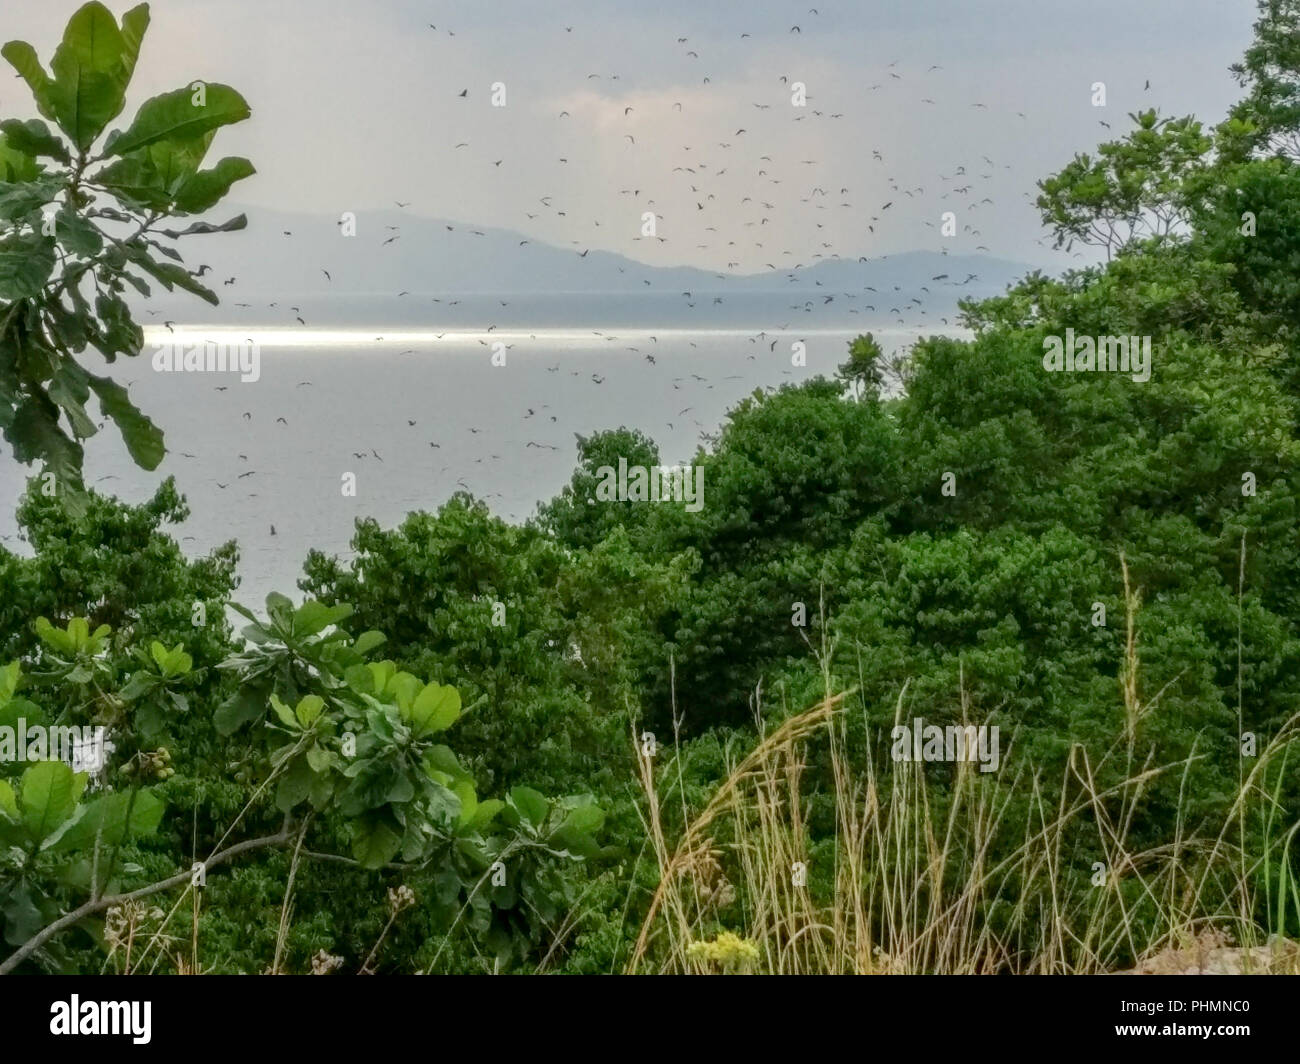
357, 106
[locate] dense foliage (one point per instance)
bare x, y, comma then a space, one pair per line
1107, 569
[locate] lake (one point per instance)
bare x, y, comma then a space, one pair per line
416, 418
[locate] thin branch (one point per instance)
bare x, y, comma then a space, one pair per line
29, 947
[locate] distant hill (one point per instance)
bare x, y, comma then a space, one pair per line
284, 256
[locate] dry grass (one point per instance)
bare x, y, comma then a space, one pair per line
915, 886
926, 880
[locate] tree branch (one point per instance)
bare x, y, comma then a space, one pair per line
29, 947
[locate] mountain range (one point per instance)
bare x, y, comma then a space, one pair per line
284, 258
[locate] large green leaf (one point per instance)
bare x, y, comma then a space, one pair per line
464, 790
26, 262
180, 116
15, 166
142, 437
35, 138
22, 57
77, 234
313, 617
50, 791
279, 607
367, 641
19, 201
294, 785
308, 710
405, 686
530, 804
36, 436
374, 842
89, 87
207, 187
120, 334
435, 708
106, 816
56, 639
283, 712
487, 809
70, 389
174, 161
135, 23
135, 179
586, 817
381, 675
170, 661
246, 704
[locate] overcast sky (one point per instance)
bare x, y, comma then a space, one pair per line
356, 105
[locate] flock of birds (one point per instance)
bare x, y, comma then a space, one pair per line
723, 198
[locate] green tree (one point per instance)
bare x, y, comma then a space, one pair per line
461, 594
1270, 72
1135, 188
84, 218
575, 516
863, 369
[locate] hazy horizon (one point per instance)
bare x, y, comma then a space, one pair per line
681, 109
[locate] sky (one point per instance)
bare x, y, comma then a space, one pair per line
925, 105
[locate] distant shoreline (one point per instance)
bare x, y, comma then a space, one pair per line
270, 335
